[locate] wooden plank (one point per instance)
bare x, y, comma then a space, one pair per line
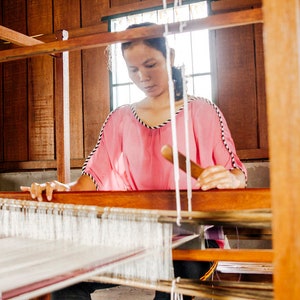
15, 90
17, 38
253, 153
41, 108
62, 113
74, 32
241, 255
236, 83
102, 39
96, 94
220, 200
229, 5
164, 200
40, 88
282, 60
37, 164
123, 7
261, 89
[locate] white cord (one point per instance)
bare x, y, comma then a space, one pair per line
173, 125
187, 142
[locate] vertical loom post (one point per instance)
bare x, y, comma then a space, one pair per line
282, 58
62, 112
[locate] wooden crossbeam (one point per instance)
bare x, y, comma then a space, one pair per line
209, 201
216, 200
231, 19
240, 255
17, 38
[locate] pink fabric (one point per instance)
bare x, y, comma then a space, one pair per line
127, 155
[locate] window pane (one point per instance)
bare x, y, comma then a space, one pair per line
200, 51
119, 69
126, 94
200, 86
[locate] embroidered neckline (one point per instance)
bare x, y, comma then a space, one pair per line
163, 123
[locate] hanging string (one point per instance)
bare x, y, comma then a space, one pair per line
177, 4
187, 142
173, 124
186, 125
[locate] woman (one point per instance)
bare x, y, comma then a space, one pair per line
127, 155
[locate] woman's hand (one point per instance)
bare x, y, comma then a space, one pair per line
36, 189
220, 178
83, 183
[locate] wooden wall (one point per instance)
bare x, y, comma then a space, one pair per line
239, 80
27, 87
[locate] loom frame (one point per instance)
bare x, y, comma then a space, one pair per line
281, 40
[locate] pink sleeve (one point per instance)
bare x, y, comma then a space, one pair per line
215, 135
108, 156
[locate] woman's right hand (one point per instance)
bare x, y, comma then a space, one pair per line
36, 189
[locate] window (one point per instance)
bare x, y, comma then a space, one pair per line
192, 50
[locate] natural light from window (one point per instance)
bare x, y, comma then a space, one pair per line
192, 50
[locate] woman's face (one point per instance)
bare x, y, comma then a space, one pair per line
147, 69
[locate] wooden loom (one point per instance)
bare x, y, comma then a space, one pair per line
216, 207
281, 35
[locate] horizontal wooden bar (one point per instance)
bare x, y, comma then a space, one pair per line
37, 164
240, 233
17, 38
102, 39
241, 255
216, 200
222, 6
137, 6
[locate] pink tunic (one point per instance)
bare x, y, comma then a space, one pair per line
128, 156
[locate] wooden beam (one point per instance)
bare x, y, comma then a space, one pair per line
238, 255
17, 38
215, 200
136, 6
282, 61
62, 113
231, 19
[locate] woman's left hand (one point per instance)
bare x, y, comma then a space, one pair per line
220, 178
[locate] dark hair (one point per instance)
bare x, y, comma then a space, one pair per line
159, 44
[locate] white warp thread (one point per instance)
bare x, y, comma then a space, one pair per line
130, 229
173, 125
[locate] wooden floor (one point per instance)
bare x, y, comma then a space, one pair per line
124, 293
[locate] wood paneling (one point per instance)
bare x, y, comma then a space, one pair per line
239, 80
236, 78
229, 5
96, 96
262, 125
116, 3
40, 86
128, 6
15, 90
